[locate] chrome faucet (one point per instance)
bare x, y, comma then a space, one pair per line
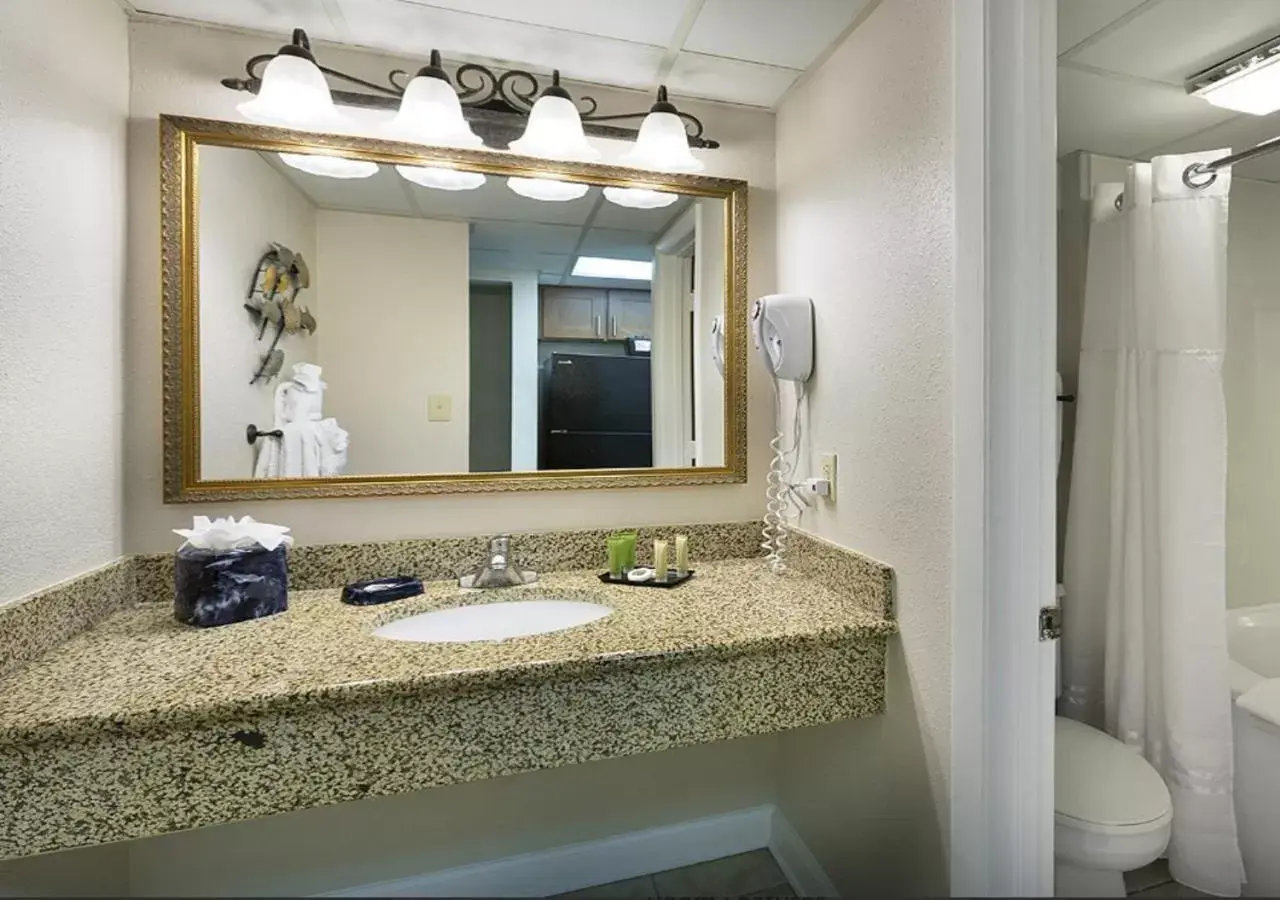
500, 571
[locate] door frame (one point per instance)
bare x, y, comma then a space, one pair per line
1002, 753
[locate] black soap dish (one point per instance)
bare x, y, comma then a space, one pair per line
381, 590
673, 580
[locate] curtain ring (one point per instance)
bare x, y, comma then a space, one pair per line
1198, 169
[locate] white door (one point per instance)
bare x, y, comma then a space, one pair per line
1005, 457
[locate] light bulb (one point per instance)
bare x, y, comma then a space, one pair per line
440, 178
294, 93
329, 166
639, 198
550, 189
430, 112
663, 144
555, 128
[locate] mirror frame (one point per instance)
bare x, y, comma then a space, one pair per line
180, 138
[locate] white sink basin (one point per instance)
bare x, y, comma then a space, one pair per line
492, 621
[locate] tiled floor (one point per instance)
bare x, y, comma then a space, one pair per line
753, 874
1155, 881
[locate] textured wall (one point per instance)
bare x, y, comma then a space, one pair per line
64, 93
176, 70
865, 228
253, 206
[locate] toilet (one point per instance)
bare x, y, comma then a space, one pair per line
1112, 811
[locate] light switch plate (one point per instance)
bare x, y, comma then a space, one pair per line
439, 408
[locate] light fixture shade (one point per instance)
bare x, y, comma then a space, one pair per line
663, 145
1254, 90
440, 178
639, 198
329, 166
294, 94
555, 128
550, 189
430, 112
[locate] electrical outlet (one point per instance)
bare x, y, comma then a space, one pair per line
439, 408
829, 475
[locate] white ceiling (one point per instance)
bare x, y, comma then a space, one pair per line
1121, 67
738, 51
507, 231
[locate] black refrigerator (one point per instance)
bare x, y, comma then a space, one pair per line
596, 412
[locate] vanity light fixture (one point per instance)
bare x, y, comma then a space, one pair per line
430, 112
608, 267
551, 189
501, 108
639, 198
1248, 82
329, 166
663, 144
440, 178
294, 93
555, 128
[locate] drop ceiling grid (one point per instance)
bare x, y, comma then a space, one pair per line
1121, 70
738, 51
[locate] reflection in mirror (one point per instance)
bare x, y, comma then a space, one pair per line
390, 325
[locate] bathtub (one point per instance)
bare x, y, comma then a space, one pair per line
1253, 641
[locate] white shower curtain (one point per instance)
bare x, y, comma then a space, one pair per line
1144, 645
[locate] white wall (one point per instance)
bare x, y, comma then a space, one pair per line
176, 69
865, 190
395, 330
249, 206
64, 94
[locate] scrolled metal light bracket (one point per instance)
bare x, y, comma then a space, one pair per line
496, 105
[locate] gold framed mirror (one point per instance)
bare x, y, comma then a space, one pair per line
422, 324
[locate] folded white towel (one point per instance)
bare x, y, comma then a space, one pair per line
1263, 701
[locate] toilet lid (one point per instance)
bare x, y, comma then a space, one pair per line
1100, 783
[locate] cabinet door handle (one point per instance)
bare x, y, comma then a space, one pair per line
613, 325
599, 333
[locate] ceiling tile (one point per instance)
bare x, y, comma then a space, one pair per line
652, 22
410, 29
279, 16
1177, 38
650, 221
482, 260
714, 78
1123, 118
525, 236
617, 244
1079, 19
790, 33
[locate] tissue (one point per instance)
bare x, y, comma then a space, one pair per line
228, 534
229, 571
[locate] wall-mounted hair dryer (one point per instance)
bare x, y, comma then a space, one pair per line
782, 325
783, 328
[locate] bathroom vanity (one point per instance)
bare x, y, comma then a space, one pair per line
141, 725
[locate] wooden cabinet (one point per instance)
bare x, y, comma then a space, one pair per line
574, 314
595, 314
630, 315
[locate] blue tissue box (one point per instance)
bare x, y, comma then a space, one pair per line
219, 587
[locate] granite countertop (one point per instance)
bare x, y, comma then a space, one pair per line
141, 669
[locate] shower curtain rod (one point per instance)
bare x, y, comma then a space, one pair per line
1211, 168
